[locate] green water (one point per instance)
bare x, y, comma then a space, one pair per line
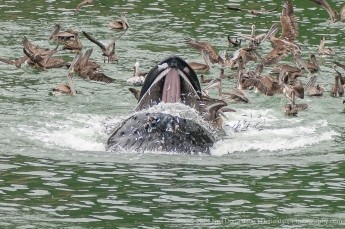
280, 172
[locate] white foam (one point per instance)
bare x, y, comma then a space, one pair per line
265, 131
260, 130
79, 132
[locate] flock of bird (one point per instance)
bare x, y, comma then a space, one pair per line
42, 58
284, 82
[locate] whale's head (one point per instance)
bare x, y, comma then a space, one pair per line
170, 81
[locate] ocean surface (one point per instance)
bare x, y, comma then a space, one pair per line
272, 171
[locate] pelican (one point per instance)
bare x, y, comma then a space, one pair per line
254, 40
334, 15
68, 89
312, 90
238, 96
313, 66
61, 37
215, 58
198, 67
75, 45
85, 2
108, 52
338, 89
17, 62
123, 24
323, 52
293, 108
246, 54
137, 79
232, 42
88, 70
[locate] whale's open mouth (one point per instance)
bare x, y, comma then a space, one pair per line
171, 81
172, 87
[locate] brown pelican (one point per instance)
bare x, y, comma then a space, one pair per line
338, 89
198, 67
293, 109
291, 91
312, 90
245, 54
266, 85
38, 57
17, 62
108, 52
334, 15
170, 84
34, 49
123, 24
254, 40
62, 37
137, 79
313, 66
253, 12
234, 43
88, 70
75, 45
68, 89
285, 68
325, 51
215, 58
238, 96
85, 2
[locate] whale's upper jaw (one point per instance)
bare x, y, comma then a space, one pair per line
170, 81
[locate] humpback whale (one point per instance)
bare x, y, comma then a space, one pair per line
171, 115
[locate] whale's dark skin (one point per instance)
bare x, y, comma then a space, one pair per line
170, 81
160, 131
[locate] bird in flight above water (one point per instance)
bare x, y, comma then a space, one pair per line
85, 2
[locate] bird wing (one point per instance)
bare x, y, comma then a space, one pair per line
289, 22
233, 8
97, 76
94, 41
237, 94
85, 59
300, 107
311, 83
200, 46
56, 29
340, 65
342, 13
7, 61
112, 44
29, 46
276, 55
324, 4
80, 5
135, 92
271, 10
299, 89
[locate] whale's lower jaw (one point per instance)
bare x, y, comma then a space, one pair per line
160, 132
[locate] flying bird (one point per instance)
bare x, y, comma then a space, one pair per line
334, 15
